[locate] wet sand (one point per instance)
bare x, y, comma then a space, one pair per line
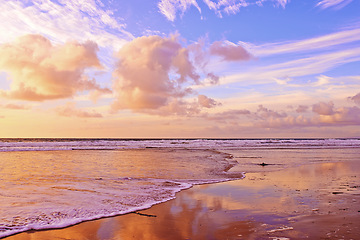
314, 201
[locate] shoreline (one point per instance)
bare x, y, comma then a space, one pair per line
317, 200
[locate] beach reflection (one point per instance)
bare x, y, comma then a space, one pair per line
262, 204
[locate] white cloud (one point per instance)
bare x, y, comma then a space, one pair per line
60, 21
337, 4
322, 80
170, 8
316, 64
233, 6
306, 45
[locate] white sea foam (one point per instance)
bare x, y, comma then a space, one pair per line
58, 212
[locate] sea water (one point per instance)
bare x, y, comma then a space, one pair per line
53, 183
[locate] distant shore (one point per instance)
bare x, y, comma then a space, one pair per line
312, 201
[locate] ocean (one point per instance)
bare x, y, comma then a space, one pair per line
54, 183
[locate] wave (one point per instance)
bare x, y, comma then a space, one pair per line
121, 144
56, 189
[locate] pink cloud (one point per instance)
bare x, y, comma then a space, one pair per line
302, 108
154, 76
229, 52
151, 71
266, 113
214, 79
41, 71
325, 115
356, 98
15, 106
322, 108
285, 122
200, 52
207, 102
342, 116
70, 110
176, 106
229, 115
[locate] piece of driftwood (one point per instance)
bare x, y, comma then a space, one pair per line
145, 215
263, 164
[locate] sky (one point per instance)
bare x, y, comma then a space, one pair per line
180, 68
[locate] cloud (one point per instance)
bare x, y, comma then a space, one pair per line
60, 21
170, 8
323, 114
323, 80
201, 57
15, 106
155, 75
41, 71
229, 51
336, 4
233, 6
229, 115
285, 122
355, 98
326, 115
267, 118
343, 116
207, 102
150, 71
302, 109
70, 110
175, 106
265, 113
214, 79
305, 45
322, 108
316, 64
227, 6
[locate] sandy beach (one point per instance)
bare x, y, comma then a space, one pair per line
313, 201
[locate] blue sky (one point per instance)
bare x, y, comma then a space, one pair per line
180, 68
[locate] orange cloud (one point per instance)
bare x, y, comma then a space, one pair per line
70, 110
41, 71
